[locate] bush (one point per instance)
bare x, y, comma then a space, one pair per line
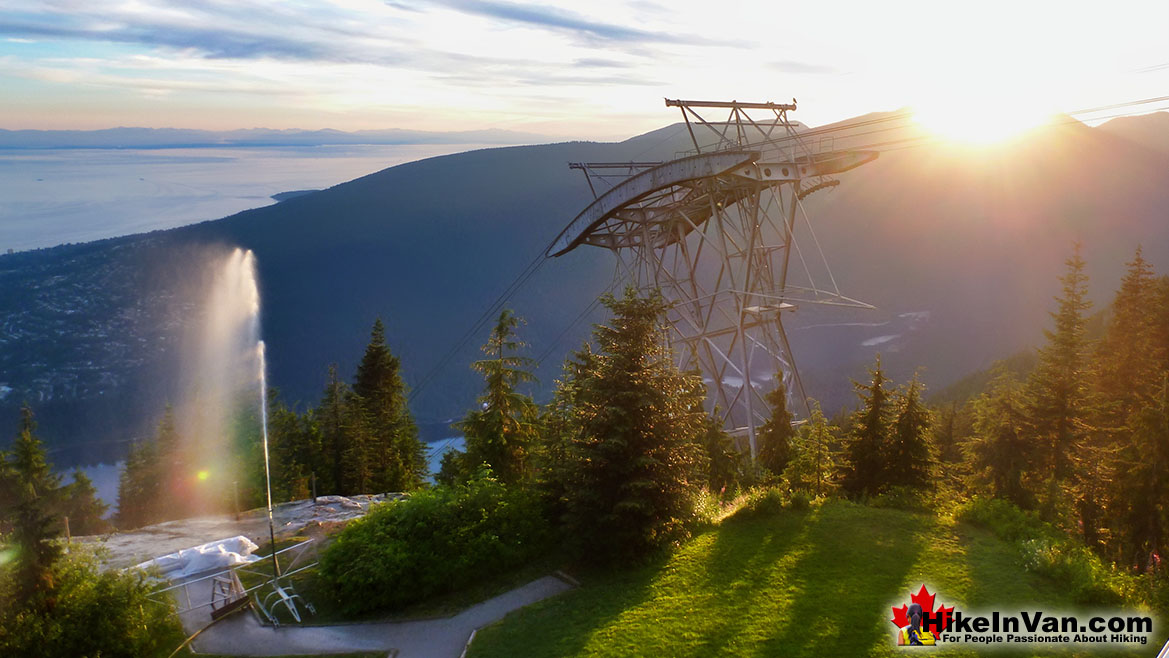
90, 613
768, 502
1003, 519
800, 502
909, 499
437, 541
1049, 552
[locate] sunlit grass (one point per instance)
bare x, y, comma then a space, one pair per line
814, 583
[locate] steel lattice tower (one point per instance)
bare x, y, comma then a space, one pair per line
715, 231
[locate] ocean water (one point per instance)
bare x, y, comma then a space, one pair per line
53, 196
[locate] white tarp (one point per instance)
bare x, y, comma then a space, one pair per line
211, 556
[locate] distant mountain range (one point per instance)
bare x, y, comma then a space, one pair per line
960, 250
156, 138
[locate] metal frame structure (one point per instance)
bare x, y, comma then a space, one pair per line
715, 231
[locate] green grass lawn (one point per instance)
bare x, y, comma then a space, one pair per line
813, 583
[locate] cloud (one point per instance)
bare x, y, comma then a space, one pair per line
791, 66
568, 22
211, 42
599, 63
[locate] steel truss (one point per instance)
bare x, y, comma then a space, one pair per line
715, 231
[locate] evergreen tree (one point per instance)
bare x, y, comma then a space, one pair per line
1142, 484
813, 461
911, 459
775, 436
999, 450
135, 497
561, 425
370, 461
1058, 386
151, 487
394, 457
171, 475
83, 508
1161, 323
953, 425
34, 526
1127, 382
947, 433
503, 429
635, 453
453, 468
724, 462
1127, 357
331, 419
866, 468
294, 451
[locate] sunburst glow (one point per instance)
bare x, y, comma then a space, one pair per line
970, 124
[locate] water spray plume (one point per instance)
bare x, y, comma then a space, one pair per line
267, 468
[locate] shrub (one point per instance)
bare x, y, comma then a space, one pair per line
1047, 551
438, 540
767, 501
909, 499
708, 508
800, 502
89, 613
1002, 518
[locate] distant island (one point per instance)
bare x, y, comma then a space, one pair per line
158, 138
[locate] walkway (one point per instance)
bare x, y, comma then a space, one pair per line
242, 634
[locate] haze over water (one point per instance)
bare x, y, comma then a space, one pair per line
53, 196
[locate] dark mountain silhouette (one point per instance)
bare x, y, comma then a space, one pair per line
959, 248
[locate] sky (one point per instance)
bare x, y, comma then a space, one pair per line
582, 70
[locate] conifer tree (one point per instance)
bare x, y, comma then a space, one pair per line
813, 463
453, 468
1127, 357
502, 431
394, 457
150, 487
1142, 500
1161, 322
136, 496
294, 448
171, 473
34, 526
82, 507
999, 450
865, 470
910, 457
947, 433
1127, 380
331, 417
635, 455
775, 435
724, 462
1058, 387
561, 424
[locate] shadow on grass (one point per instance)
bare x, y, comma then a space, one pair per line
857, 560
746, 558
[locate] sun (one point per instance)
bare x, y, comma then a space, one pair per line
977, 123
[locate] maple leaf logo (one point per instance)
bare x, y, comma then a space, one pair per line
926, 601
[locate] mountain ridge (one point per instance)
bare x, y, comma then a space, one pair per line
959, 250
